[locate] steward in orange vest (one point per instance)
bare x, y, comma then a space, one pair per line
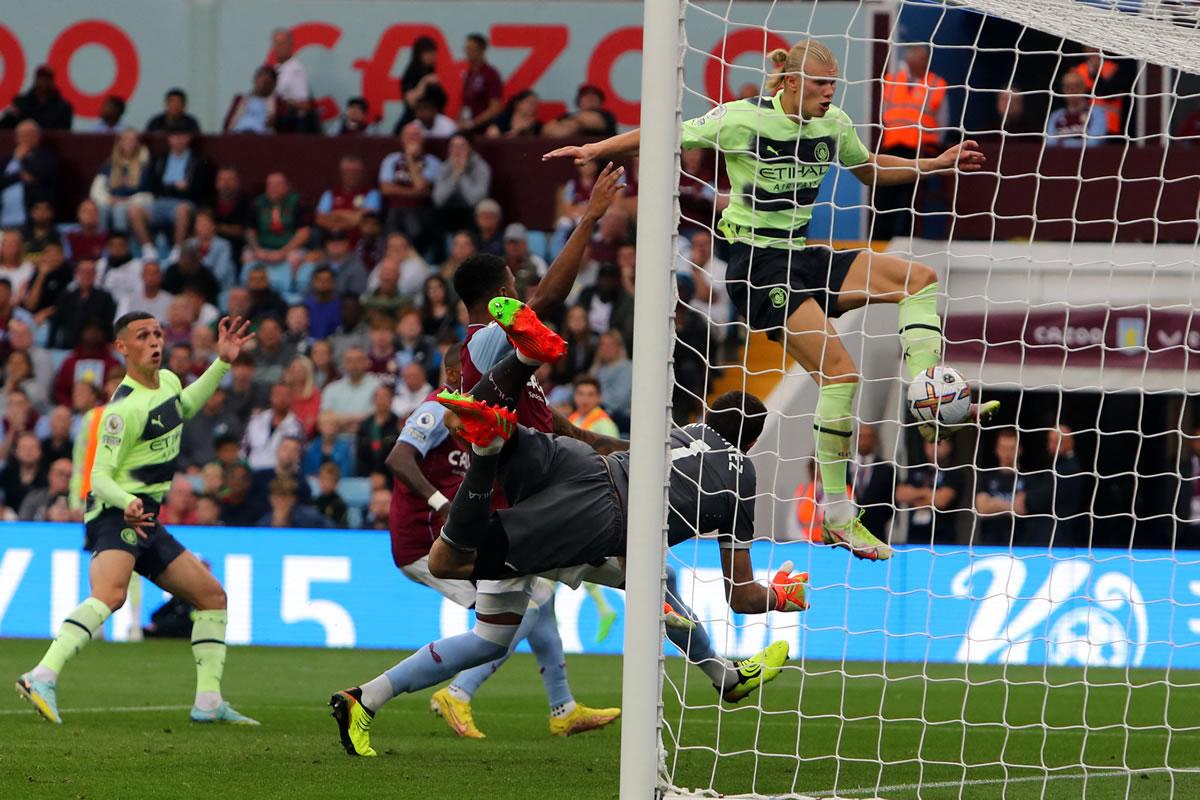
912, 98
1098, 70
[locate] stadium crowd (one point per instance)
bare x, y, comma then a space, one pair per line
350, 292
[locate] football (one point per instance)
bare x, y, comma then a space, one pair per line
940, 394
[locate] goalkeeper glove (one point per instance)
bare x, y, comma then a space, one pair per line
790, 591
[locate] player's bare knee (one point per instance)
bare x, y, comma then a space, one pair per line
838, 367
212, 598
920, 276
113, 597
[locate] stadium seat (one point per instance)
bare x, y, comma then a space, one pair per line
538, 243
355, 491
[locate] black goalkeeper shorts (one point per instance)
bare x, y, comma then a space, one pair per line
766, 284
153, 554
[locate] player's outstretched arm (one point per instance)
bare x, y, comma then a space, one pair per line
603, 445
553, 289
232, 335
404, 463
887, 170
787, 591
620, 146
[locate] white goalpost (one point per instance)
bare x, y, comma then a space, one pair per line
1051, 650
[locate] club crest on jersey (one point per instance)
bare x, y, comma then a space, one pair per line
114, 424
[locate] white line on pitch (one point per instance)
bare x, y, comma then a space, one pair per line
1078, 776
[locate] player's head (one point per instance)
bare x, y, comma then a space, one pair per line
1006, 447
738, 417
140, 340
452, 366
807, 76
482, 277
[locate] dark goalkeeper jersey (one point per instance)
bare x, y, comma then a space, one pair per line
138, 451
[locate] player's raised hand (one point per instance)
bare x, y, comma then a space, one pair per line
964, 156
232, 335
604, 190
579, 153
790, 590
137, 518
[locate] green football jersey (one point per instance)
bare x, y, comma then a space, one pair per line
140, 431
775, 165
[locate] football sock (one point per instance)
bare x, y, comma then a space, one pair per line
832, 427
468, 519
208, 647
503, 383
77, 630
921, 331
695, 643
547, 648
467, 682
432, 664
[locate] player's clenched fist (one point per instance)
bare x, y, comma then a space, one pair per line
790, 590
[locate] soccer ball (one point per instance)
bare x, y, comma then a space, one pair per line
940, 394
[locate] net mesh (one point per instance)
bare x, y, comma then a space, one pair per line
1046, 651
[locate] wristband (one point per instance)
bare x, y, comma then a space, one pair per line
437, 501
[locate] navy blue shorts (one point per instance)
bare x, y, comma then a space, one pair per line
767, 284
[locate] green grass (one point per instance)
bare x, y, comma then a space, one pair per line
156, 753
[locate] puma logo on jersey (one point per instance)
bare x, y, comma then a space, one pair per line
772, 150
156, 421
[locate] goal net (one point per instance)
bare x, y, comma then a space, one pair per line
1037, 632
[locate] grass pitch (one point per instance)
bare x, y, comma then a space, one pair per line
127, 735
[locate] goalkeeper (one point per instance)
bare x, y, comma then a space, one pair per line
778, 149
135, 461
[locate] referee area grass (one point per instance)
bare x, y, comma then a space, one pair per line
126, 733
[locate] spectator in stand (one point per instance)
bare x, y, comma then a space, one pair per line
488, 216
589, 415
385, 298
342, 208
263, 298
9, 312
420, 81
174, 116
287, 510
412, 390
54, 431
614, 232
590, 118
204, 347
232, 211
482, 88
355, 120
40, 229
462, 247
581, 347
216, 253
177, 327
438, 318
378, 509
1000, 496
371, 243
1012, 118
1054, 498
1101, 80
121, 189
240, 507
111, 112
179, 507
614, 371
20, 338
520, 117
149, 297
53, 280
208, 510
412, 268
119, 270
280, 225
15, 267
254, 112
462, 183
29, 176
571, 203
349, 272
181, 180
914, 107
271, 353
288, 457
86, 238
872, 480
381, 349
189, 272
328, 447
406, 180
529, 268
306, 397
214, 421
323, 304
84, 303
932, 490
350, 396
245, 396
708, 275
432, 123
698, 198
606, 299
179, 362
38, 502
1080, 121
23, 471
329, 503
377, 434
325, 369
296, 329
43, 104
296, 112
19, 417
19, 376
269, 427
353, 330
412, 345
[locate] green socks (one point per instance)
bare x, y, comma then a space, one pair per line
76, 631
208, 647
832, 428
921, 331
